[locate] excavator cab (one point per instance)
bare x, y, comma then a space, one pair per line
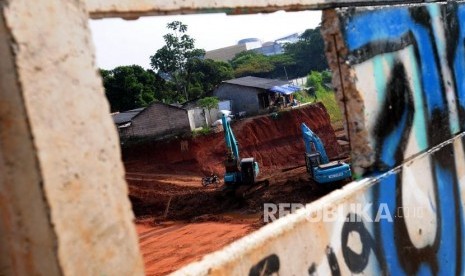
312, 160
248, 170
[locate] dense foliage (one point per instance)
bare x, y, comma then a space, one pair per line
180, 73
308, 53
172, 59
297, 60
129, 87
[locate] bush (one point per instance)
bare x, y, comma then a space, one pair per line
205, 130
304, 97
329, 100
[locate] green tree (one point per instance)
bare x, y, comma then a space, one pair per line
283, 67
308, 53
172, 58
204, 75
209, 103
327, 76
317, 80
251, 63
129, 87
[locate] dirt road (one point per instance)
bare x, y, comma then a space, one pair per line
179, 220
170, 245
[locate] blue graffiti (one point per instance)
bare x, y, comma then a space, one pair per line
383, 32
419, 105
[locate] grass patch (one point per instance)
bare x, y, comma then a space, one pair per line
205, 130
329, 101
328, 98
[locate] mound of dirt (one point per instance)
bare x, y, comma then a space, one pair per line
173, 202
274, 141
177, 218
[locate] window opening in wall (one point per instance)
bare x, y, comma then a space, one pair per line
169, 79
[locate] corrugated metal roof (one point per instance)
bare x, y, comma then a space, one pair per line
257, 82
126, 116
226, 53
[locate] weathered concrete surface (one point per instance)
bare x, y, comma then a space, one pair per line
402, 222
131, 9
63, 199
27, 240
401, 71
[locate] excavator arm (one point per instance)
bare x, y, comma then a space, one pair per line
241, 174
313, 143
231, 142
317, 161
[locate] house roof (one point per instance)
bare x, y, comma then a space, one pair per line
226, 53
257, 82
126, 116
190, 104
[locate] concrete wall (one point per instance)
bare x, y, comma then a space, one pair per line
196, 118
64, 207
412, 95
243, 98
158, 120
397, 223
199, 117
132, 9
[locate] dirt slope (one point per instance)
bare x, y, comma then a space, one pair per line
275, 143
179, 221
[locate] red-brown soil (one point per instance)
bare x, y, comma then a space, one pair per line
179, 220
275, 143
168, 246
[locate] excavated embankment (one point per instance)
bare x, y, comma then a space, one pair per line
178, 218
275, 142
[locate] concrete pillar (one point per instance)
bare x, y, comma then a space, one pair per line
64, 207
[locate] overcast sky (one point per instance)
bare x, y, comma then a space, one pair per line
120, 42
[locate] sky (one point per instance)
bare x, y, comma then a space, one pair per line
125, 42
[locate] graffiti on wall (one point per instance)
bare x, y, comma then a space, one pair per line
416, 57
409, 65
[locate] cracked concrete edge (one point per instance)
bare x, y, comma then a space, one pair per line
130, 9
80, 173
349, 98
28, 243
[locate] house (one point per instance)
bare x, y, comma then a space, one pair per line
199, 117
253, 95
156, 120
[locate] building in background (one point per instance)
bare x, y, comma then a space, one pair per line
253, 95
267, 48
158, 120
